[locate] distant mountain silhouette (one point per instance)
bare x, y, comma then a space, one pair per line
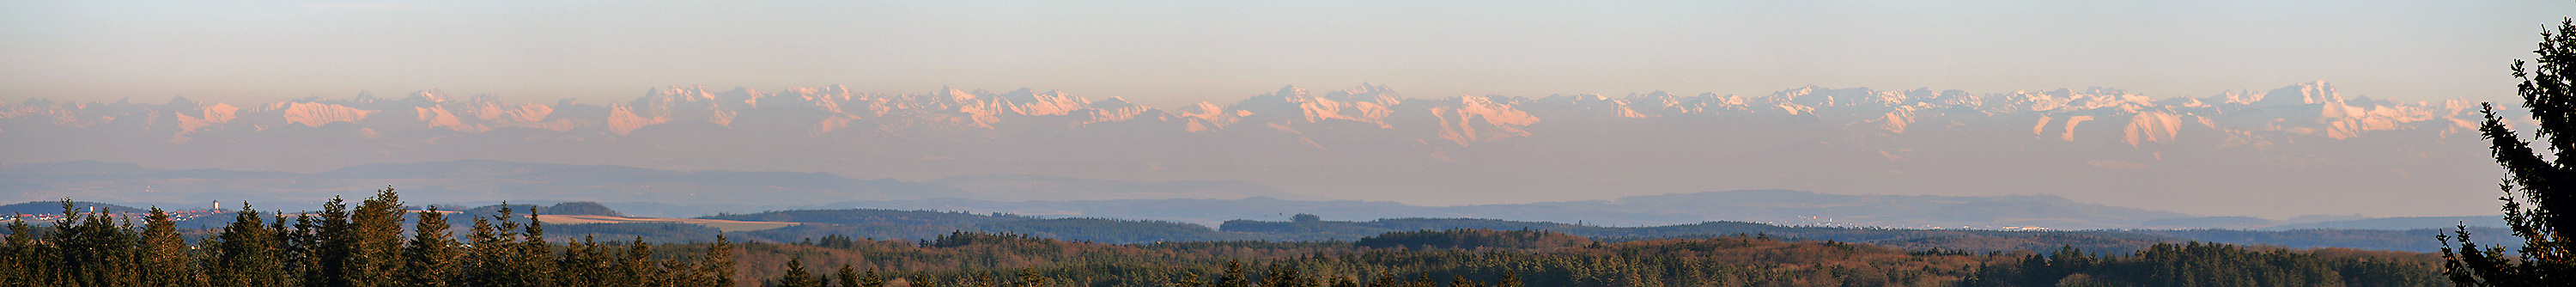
668, 193
2306, 147
2400, 223
2220, 222
567, 208
577, 220
490, 181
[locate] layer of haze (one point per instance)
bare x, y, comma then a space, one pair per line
1167, 53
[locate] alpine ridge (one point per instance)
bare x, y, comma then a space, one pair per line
1363, 141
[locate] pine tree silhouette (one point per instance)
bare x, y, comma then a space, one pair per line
2534, 183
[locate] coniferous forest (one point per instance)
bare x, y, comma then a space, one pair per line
377, 242
340, 245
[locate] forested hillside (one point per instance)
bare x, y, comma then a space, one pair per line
921, 224
910, 225
367, 244
376, 242
918, 224
925, 224
1470, 257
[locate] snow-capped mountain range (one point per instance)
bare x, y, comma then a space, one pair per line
2300, 149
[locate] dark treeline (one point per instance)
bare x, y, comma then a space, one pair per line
2197, 264
1489, 258
340, 246
1412, 259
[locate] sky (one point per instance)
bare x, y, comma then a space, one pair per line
1166, 53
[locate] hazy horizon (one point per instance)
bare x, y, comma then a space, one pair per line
2300, 149
2271, 108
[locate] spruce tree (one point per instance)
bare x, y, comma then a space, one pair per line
1280, 275
337, 246
306, 251
535, 257
245, 253
639, 267
375, 240
1233, 276
335, 243
165, 257
483, 263
718, 263
922, 280
94, 249
593, 264
796, 275
24, 263
2534, 183
1188, 279
849, 277
287, 245
70, 256
1030, 278
430, 259
581, 264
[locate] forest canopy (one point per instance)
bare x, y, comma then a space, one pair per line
377, 242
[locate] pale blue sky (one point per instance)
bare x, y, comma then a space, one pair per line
1164, 53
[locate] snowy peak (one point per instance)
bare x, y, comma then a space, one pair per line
1366, 141
2066, 115
2301, 94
